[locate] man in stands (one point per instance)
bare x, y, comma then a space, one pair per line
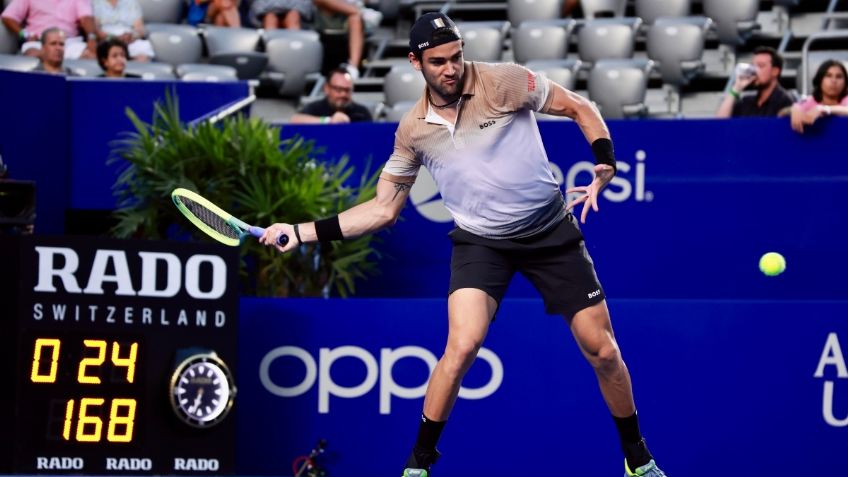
337, 105
770, 98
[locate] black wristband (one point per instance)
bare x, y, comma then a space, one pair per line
328, 229
602, 148
297, 234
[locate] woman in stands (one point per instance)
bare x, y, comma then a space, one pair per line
122, 19
830, 96
273, 14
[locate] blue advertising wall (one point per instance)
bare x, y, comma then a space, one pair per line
745, 387
58, 132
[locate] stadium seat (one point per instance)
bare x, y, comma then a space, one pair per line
561, 72
519, 11
619, 86
676, 44
161, 11
402, 87
203, 72
294, 56
607, 38
650, 10
603, 8
176, 46
484, 41
18, 62
87, 68
151, 70
541, 40
735, 20
236, 47
8, 42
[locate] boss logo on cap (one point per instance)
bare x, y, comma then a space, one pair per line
421, 46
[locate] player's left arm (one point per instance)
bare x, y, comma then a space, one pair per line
562, 102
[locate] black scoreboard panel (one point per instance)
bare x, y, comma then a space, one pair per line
99, 328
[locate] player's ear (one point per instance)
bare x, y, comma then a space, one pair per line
415, 63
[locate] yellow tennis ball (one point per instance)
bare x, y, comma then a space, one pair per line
772, 264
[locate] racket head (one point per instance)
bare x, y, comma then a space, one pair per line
208, 217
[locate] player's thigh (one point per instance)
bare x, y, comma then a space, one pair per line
592, 329
470, 310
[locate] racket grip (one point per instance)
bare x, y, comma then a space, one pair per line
257, 232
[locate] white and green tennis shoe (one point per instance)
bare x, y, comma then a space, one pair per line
648, 470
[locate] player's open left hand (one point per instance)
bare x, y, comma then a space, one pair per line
603, 174
273, 232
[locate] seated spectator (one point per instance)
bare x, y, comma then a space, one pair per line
122, 19
337, 105
830, 96
343, 15
770, 98
273, 14
112, 56
29, 18
53, 53
223, 13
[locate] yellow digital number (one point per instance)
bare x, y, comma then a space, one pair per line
82, 377
69, 415
115, 420
85, 419
35, 375
128, 362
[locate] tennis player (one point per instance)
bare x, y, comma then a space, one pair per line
475, 131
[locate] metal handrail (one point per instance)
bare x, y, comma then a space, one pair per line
227, 110
805, 51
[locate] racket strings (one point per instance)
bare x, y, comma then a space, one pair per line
209, 218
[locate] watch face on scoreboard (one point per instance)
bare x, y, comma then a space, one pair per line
202, 390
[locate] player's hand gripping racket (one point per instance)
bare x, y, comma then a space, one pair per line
214, 221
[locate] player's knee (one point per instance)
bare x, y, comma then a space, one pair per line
461, 353
606, 359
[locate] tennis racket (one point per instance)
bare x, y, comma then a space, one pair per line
214, 221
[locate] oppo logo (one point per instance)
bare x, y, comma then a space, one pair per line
378, 374
112, 266
427, 201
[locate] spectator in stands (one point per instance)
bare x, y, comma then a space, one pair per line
29, 18
53, 53
273, 14
217, 12
122, 19
337, 105
112, 56
770, 97
343, 15
830, 96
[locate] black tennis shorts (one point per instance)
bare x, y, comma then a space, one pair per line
555, 261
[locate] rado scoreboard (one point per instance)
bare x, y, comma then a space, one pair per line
118, 356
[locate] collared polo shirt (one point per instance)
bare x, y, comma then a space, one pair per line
490, 166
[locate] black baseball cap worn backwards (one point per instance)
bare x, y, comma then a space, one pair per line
431, 30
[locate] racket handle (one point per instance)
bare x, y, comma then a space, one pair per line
257, 232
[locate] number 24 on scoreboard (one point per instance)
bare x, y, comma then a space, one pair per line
89, 426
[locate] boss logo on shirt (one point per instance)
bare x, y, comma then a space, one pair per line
487, 124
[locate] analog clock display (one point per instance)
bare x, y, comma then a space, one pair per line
202, 390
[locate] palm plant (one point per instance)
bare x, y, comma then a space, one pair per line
241, 164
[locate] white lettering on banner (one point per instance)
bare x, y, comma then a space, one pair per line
117, 260
203, 465
382, 372
58, 463
831, 356
424, 194
111, 315
125, 463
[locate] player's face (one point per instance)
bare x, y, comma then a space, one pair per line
53, 49
833, 82
443, 69
766, 72
339, 90
116, 61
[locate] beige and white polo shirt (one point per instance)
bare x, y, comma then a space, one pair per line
490, 166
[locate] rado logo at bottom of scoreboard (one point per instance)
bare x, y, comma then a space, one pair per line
59, 463
202, 465
128, 463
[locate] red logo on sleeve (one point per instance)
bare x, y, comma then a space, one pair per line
531, 82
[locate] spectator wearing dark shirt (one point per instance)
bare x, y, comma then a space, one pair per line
337, 105
53, 53
768, 100
112, 57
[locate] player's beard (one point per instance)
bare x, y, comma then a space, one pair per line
446, 92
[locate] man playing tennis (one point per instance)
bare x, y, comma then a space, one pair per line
475, 131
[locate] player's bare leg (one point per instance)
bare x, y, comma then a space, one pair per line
593, 332
469, 313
